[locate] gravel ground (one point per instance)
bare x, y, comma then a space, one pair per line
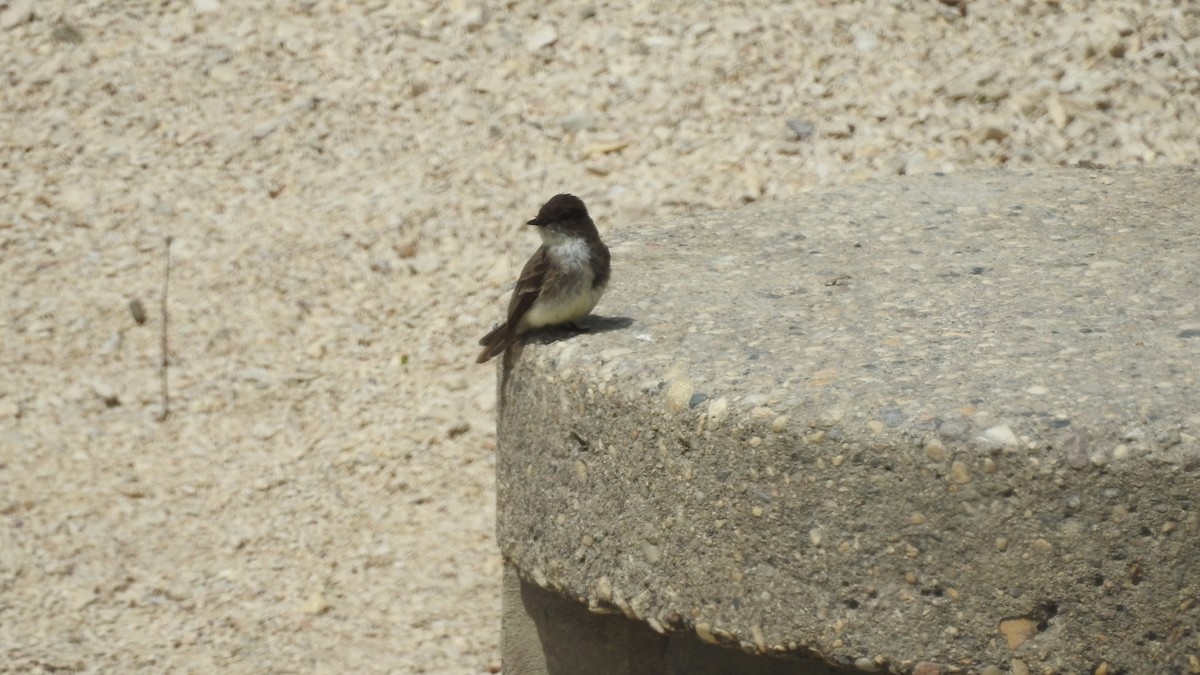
344, 183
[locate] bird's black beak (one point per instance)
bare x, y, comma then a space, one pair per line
535, 222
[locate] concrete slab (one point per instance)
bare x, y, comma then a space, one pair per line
922, 425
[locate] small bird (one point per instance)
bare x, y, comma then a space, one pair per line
563, 280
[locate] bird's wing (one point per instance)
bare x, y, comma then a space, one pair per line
529, 287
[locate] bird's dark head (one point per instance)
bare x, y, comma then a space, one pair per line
560, 209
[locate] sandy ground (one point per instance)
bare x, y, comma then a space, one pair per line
344, 184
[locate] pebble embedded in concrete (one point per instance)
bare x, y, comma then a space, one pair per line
960, 473
679, 394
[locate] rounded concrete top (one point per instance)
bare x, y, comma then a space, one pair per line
952, 420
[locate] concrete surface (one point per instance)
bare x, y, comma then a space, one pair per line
931, 425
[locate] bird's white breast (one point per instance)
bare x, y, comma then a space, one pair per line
572, 302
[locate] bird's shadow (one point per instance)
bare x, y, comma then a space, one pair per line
545, 336
588, 324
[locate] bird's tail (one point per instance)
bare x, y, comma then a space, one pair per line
495, 342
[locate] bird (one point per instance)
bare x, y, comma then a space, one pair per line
561, 282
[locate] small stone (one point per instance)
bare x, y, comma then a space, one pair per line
473, 19
1018, 667
704, 632
425, 263
679, 394
760, 639
1001, 544
315, 604
223, 74
107, 394
458, 429
67, 34
955, 430
1017, 631
865, 40
263, 130
779, 424
138, 310
717, 412
837, 128
651, 552
866, 665
1042, 546
935, 450
1135, 434
803, 130
604, 589
1001, 436
541, 36
625, 607
18, 12
577, 121
927, 668
538, 576
991, 670
1076, 446
960, 474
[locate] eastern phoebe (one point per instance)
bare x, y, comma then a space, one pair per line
562, 282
